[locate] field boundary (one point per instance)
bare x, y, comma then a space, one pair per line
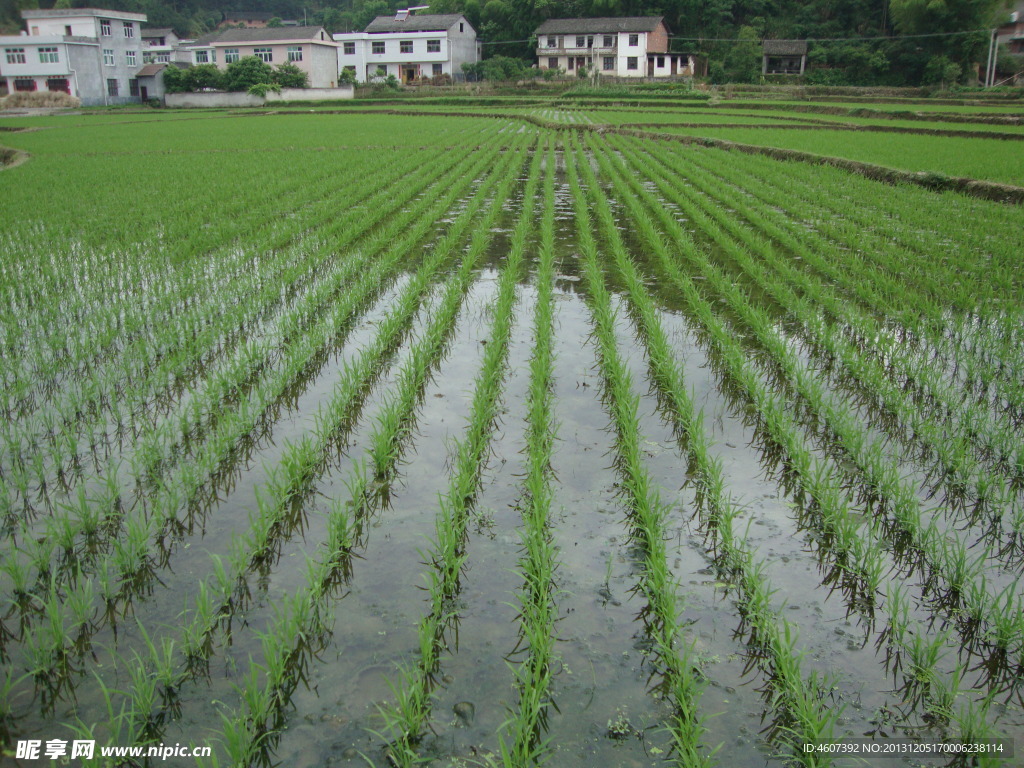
987, 190
823, 126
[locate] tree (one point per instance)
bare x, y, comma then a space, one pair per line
203, 77
288, 75
743, 61
247, 72
176, 80
347, 77
275, 23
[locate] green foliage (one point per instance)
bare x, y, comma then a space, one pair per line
248, 71
262, 89
503, 68
743, 61
176, 80
203, 77
275, 23
942, 71
288, 75
347, 77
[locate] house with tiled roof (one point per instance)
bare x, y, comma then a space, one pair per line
409, 46
625, 46
311, 49
783, 57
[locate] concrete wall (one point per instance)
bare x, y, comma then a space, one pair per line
222, 99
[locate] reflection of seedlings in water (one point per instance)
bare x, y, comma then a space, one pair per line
484, 524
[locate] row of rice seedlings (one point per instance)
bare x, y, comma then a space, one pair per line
316, 215
264, 704
646, 510
855, 552
132, 557
405, 719
222, 594
975, 421
989, 381
967, 482
92, 278
61, 438
987, 262
980, 612
537, 607
86, 511
275, 233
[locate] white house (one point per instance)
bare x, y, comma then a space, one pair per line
630, 46
91, 54
409, 46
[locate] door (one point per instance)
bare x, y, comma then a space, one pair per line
144, 93
650, 67
675, 69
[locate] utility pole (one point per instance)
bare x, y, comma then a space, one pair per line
990, 70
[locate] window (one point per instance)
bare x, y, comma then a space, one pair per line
433, 46
405, 46
147, 57
382, 71
129, 29
634, 40
264, 54
631, 62
661, 62
572, 61
462, 27
58, 84
230, 55
377, 46
105, 27
552, 62
590, 41
67, 30
436, 69
552, 42
111, 87
608, 63
202, 57
24, 84
15, 55
164, 58
350, 49
609, 41
129, 58
108, 57
579, 41
213, 56
133, 87
294, 53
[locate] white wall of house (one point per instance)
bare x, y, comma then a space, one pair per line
396, 53
98, 52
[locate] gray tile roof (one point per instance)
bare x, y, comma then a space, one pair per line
437, 22
785, 47
599, 26
277, 34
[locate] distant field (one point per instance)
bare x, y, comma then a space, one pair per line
349, 439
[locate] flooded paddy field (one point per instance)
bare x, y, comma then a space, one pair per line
458, 440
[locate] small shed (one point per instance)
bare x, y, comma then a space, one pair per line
151, 80
784, 57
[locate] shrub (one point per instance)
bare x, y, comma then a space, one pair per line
347, 77
262, 89
202, 77
247, 72
288, 75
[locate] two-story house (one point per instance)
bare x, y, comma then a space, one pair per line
310, 49
158, 45
630, 46
91, 54
409, 46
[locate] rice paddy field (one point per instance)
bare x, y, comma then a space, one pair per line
342, 438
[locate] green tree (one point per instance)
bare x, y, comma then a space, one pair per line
288, 75
743, 60
176, 80
275, 23
203, 77
247, 72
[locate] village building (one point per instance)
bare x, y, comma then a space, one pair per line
310, 49
91, 54
158, 45
783, 57
252, 19
631, 46
409, 46
1011, 32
